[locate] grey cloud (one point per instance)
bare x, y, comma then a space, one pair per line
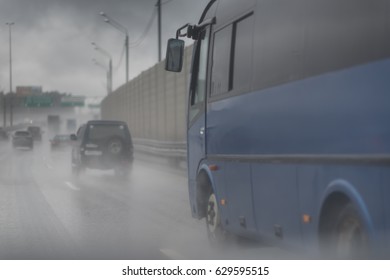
51, 40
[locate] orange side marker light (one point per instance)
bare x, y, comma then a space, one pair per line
306, 219
213, 167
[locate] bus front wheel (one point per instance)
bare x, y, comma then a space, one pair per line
215, 231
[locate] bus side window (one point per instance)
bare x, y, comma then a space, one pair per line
221, 61
243, 49
232, 57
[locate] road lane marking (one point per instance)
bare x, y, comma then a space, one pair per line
71, 186
172, 254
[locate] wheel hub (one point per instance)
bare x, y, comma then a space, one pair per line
212, 213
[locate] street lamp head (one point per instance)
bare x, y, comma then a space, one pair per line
103, 51
114, 23
10, 23
123, 29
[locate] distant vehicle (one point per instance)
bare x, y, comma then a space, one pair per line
60, 141
3, 135
288, 134
103, 145
36, 132
53, 124
71, 124
22, 138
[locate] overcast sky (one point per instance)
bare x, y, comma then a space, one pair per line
51, 40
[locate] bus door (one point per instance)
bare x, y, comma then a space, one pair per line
196, 108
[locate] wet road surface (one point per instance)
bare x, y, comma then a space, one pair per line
46, 213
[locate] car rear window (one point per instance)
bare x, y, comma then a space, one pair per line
62, 137
22, 133
105, 131
34, 129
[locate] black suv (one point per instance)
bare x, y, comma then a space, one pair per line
3, 134
102, 145
35, 132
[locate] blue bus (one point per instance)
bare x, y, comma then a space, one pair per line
289, 123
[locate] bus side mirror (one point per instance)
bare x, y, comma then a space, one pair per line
174, 56
73, 137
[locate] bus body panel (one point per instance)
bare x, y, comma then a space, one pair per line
195, 154
385, 178
343, 112
294, 120
239, 197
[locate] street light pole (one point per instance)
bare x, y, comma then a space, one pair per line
10, 72
4, 110
124, 30
109, 75
159, 28
127, 56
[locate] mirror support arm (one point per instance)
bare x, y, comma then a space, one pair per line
193, 30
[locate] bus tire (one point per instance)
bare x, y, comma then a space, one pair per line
348, 235
215, 232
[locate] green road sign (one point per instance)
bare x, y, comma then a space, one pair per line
72, 101
38, 101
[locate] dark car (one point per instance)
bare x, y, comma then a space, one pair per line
3, 135
35, 132
22, 138
60, 141
103, 145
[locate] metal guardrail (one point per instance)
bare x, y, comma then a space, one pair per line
175, 150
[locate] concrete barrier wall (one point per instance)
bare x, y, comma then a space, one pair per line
153, 104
